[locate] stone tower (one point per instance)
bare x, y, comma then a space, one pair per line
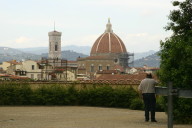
54, 45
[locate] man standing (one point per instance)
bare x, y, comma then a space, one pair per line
147, 88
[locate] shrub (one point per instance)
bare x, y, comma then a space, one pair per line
15, 94
137, 104
160, 102
90, 95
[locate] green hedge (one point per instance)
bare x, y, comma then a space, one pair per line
87, 95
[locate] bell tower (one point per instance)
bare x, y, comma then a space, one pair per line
54, 45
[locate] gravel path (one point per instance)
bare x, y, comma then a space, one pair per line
78, 117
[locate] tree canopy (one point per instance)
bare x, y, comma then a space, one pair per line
176, 51
176, 57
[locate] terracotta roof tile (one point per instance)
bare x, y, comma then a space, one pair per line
118, 79
137, 77
14, 62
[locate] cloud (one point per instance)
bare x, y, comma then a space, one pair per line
141, 42
87, 40
22, 40
147, 13
25, 42
134, 3
137, 35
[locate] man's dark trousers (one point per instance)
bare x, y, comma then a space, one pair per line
150, 103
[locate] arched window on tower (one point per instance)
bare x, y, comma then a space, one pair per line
56, 46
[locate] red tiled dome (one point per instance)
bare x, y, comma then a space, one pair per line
108, 42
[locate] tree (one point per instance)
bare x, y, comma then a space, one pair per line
176, 57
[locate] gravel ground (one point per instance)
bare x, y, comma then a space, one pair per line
78, 117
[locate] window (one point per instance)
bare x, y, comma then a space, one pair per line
108, 67
39, 76
32, 76
100, 67
116, 60
56, 46
23, 73
33, 67
92, 68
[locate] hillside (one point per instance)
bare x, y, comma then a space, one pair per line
141, 55
40, 50
7, 54
69, 55
151, 61
79, 49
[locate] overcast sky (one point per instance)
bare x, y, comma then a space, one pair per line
139, 23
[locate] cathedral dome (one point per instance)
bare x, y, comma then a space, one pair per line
108, 42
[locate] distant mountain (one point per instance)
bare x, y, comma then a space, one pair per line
149, 58
34, 50
140, 55
69, 55
7, 54
40, 50
9, 51
79, 49
151, 61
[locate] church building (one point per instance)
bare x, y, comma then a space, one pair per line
107, 53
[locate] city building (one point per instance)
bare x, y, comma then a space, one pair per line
29, 68
6, 64
145, 69
54, 67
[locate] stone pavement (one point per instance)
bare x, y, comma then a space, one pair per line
78, 117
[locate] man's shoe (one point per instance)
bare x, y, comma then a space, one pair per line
153, 121
146, 120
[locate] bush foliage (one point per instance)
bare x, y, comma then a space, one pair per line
56, 94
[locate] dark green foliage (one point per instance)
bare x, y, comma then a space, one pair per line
182, 110
160, 103
137, 104
15, 94
107, 96
87, 95
92, 95
176, 58
124, 96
